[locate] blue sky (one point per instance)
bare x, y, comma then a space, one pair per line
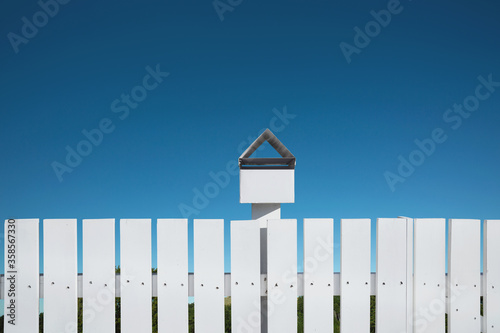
350, 117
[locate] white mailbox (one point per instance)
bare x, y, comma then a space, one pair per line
267, 180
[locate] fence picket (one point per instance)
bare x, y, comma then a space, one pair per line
355, 275
172, 243
391, 276
282, 276
491, 269
98, 275
430, 279
318, 275
60, 274
136, 290
464, 276
209, 276
245, 276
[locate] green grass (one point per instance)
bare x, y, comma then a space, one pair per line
227, 311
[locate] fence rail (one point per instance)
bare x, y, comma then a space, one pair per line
227, 284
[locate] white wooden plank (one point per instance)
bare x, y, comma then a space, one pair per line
245, 276
21, 286
318, 275
409, 274
172, 243
98, 275
391, 276
430, 279
60, 273
136, 291
355, 275
209, 276
282, 275
491, 272
464, 269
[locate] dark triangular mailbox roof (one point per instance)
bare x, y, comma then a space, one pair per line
287, 160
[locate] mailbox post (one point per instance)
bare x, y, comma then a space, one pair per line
266, 183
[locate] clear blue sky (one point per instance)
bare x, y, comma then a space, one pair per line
354, 115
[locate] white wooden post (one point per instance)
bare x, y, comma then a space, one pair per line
409, 273
266, 183
263, 213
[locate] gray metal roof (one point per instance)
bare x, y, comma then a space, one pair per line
287, 160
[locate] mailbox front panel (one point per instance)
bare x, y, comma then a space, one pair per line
267, 186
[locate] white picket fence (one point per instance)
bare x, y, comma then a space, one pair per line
413, 292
